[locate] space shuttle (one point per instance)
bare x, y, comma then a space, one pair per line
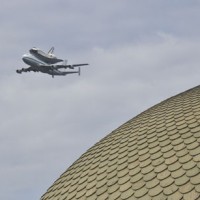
49, 57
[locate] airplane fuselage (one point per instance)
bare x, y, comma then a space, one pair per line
48, 63
32, 60
39, 65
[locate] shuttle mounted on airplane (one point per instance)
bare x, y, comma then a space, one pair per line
48, 63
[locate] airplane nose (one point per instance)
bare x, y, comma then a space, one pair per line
25, 58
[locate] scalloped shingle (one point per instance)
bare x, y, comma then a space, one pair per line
155, 155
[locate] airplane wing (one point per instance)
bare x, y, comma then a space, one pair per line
33, 69
69, 66
29, 69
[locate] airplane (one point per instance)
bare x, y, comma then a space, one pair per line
48, 63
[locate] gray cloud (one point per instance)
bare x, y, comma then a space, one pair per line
140, 53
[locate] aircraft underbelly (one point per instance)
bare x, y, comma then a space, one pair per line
55, 72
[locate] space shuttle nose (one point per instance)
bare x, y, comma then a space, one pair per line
33, 50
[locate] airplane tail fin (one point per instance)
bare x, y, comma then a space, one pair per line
51, 50
65, 62
79, 71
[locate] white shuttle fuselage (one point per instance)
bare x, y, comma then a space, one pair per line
48, 58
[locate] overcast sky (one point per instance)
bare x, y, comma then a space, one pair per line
140, 53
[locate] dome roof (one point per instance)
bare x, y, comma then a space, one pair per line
155, 155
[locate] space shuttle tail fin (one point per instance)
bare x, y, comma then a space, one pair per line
51, 50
